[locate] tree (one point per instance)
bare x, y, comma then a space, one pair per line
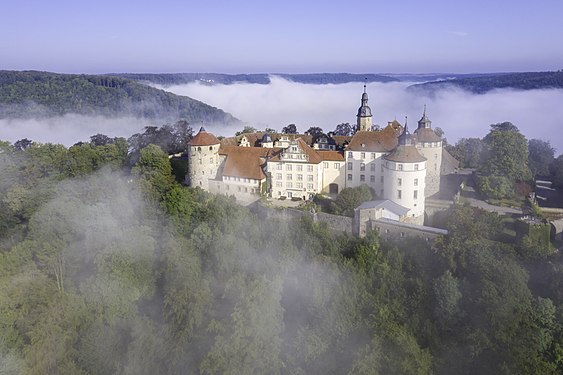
344, 129
505, 156
350, 198
467, 151
314, 131
290, 129
247, 129
557, 171
100, 140
540, 156
23, 144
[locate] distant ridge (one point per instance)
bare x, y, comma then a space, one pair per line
27, 94
169, 79
488, 82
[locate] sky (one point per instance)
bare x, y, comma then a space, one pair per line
281, 36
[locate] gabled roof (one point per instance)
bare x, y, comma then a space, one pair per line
246, 162
386, 204
313, 156
331, 155
375, 141
203, 138
448, 158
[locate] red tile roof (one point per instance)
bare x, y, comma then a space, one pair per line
246, 162
331, 155
376, 141
203, 138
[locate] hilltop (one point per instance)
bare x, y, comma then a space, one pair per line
260, 78
26, 94
486, 83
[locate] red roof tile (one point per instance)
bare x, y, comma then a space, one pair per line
203, 138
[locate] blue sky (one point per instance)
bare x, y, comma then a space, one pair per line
281, 36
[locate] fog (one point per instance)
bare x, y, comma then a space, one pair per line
537, 113
70, 128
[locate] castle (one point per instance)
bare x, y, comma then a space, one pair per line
400, 167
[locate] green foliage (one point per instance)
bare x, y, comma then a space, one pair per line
504, 160
102, 272
39, 94
540, 157
467, 151
247, 129
557, 171
350, 198
344, 129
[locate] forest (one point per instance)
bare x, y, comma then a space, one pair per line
256, 78
485, 83
32, 94
108, 265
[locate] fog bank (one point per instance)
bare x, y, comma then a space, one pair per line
536, 113
70, 128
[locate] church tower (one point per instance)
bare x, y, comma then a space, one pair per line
364, 120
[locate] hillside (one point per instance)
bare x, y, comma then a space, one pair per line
262, 79
29, 94
483, 84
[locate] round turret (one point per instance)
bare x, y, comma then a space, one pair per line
203, 159
429, 144
404, 177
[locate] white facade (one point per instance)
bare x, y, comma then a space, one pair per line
364, 167
404, 184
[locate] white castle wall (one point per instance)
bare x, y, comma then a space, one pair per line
203, 164
404, 184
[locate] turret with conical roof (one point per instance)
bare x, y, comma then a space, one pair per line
429, 144
364, 118
203, 159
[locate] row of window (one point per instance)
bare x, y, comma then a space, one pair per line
326, 165
400, 181
298, 168
239, 179
289, 185
362, 155
400, 194
289, 176
241, 189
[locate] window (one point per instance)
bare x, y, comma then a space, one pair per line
325, 165
362, 177
362, 167
399, 194
373, 156
288, 167
435, 166
400, 181
336, 165
381, 179
350, 155
279, 184
381, 168
210, 160
299, 177
400, 167
349, 165
363, 155
278, 176
299, 168
372, 178
210, 148
435, 156
372, 167
279, 166
309, 168
416, 182
349, 177
416, 167
288, 185
381, 193
310, 186
246, 190
299, 185
309, 177
288, 176
415, 195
